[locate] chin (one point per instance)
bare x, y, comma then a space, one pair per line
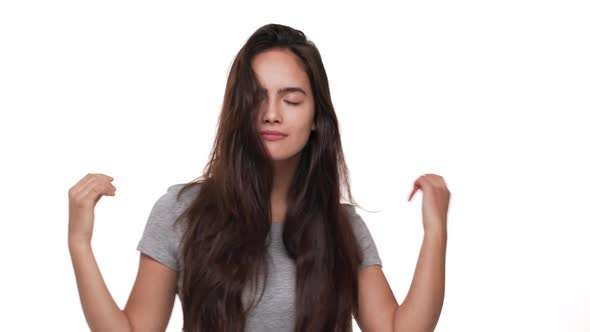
283, 156
280, 158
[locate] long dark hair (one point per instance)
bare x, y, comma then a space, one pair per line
224, 248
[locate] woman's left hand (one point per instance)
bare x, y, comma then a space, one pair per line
435, 201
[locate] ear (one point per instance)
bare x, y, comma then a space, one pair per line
313, 126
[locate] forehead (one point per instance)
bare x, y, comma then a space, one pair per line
278, 68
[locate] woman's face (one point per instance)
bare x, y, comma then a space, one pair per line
287, 103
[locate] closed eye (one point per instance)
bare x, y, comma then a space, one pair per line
292, 103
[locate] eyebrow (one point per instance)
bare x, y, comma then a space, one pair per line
288, 90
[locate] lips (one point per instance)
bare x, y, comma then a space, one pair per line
271, 135
272, 132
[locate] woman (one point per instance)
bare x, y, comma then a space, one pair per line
261, 241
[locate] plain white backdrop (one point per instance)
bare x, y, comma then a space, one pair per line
493, 96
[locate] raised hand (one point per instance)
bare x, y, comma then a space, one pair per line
83, 197
435, 201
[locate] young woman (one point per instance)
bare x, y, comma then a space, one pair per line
261, 241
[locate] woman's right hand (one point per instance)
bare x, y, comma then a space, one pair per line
83, 197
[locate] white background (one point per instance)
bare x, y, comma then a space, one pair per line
494, 96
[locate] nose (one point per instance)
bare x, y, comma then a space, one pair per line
270, 112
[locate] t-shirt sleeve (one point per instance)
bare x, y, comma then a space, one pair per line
160, 237
365, 239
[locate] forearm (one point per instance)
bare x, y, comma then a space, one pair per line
421, 308
100, 310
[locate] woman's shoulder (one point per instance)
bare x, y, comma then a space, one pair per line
180, 195
172, 203
357, 222
351, 212
363, 236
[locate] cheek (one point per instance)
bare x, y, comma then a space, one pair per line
301, 136
301, 118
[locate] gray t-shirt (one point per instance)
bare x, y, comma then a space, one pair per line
276, 309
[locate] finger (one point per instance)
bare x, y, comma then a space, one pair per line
418, 184
81, 185
107, 177
87, 187
429, 181
96, 192
416, 187
411, 194
438, 181
97, 187
92, 177
87, 192
112, 189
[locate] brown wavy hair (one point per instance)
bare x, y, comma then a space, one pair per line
229, 221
